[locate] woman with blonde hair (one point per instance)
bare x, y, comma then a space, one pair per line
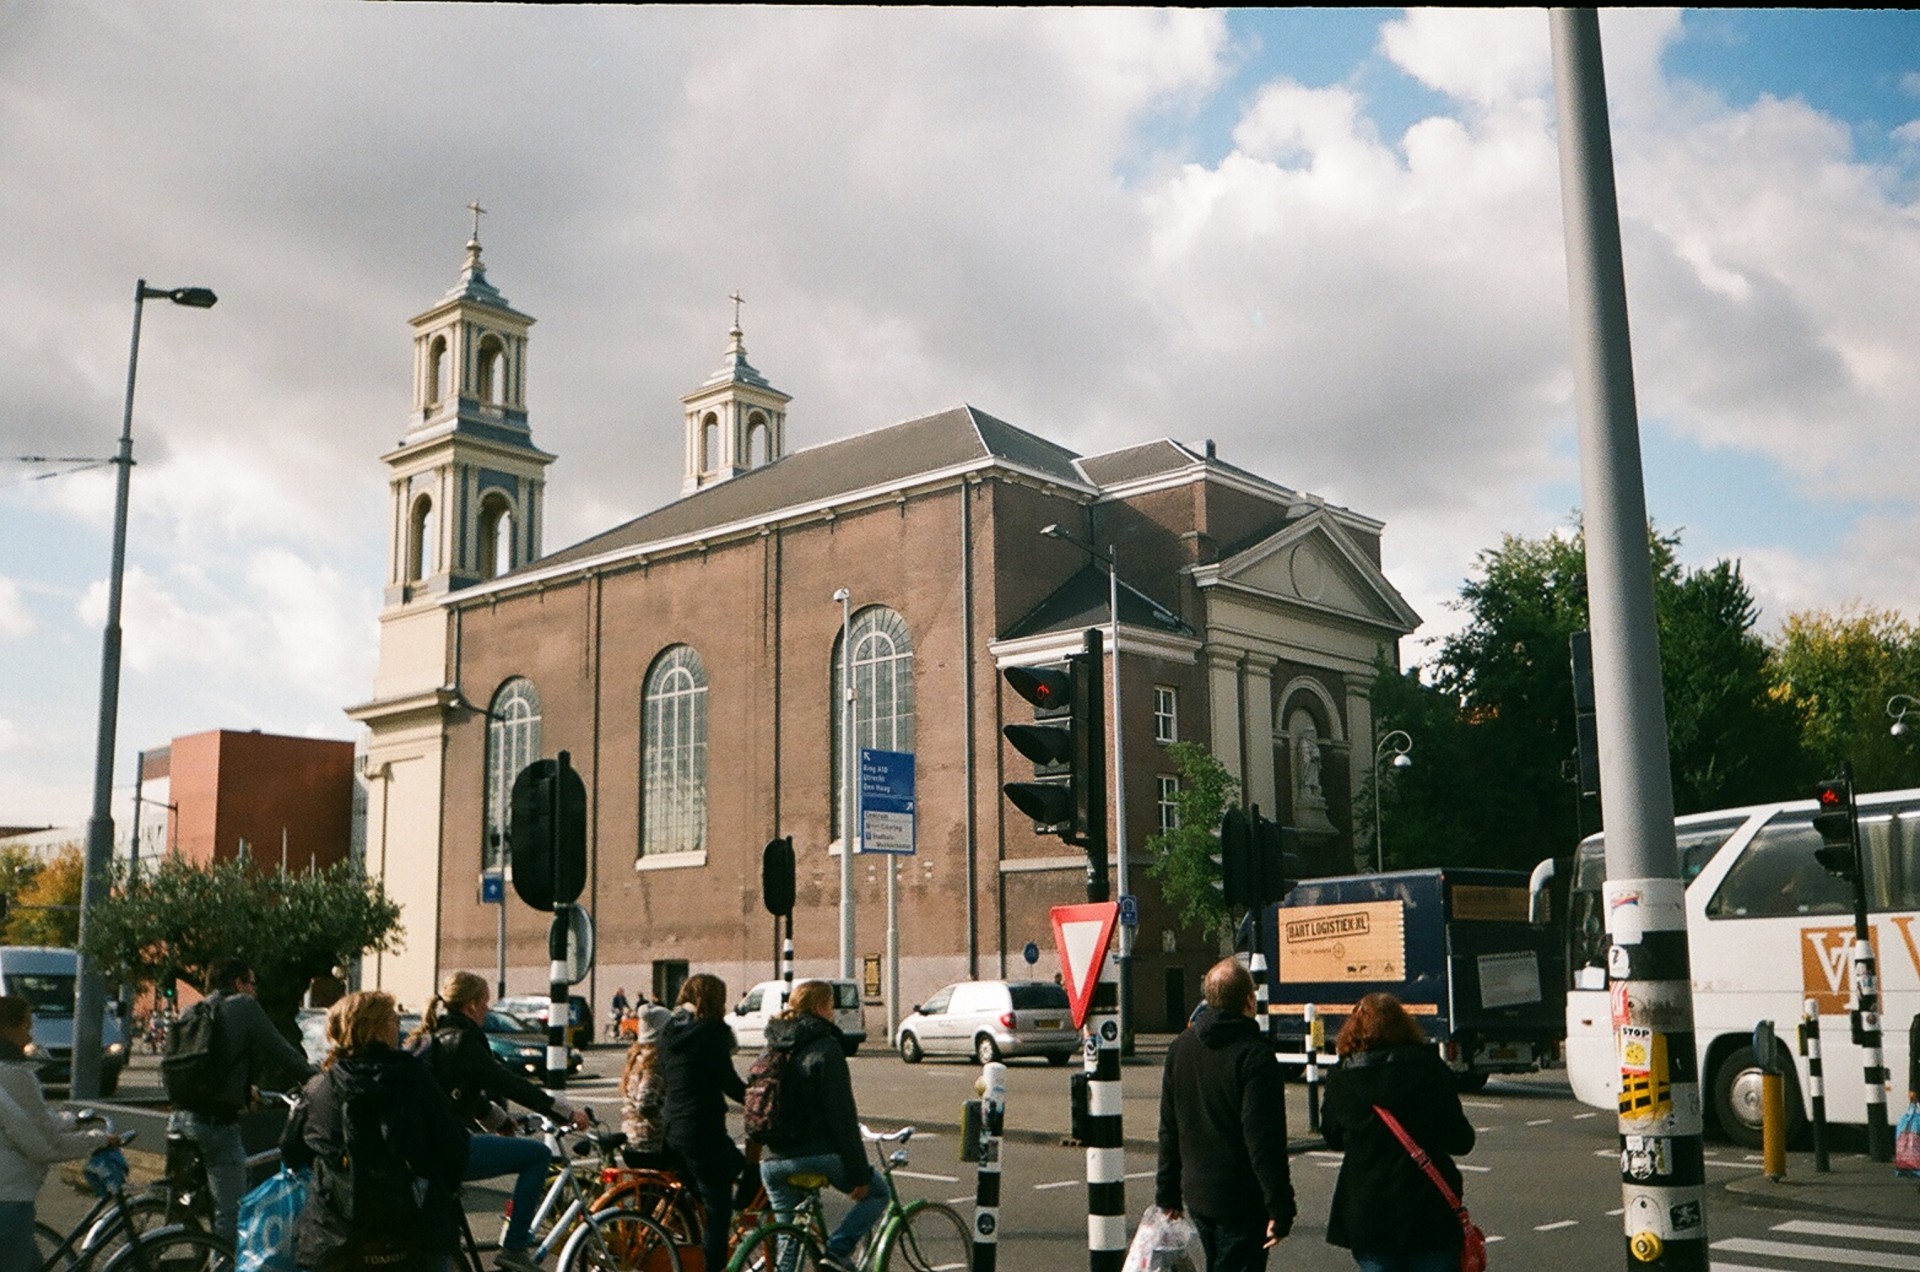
1386, 1210
643, 1093
32, 1136
697, 1048
367, 1072
454, 1041
826, 1140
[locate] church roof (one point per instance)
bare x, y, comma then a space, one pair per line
1133, 463
820, 474
1083, 601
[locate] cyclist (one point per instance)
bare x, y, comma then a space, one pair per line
643, 1093
32, 1136
454, 1042
826, 1139
698, 1051
418, 1125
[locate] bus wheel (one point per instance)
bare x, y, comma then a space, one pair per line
1736, 1097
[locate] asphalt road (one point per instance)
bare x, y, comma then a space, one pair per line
1543, 1181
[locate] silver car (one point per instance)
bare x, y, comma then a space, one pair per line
988, 1020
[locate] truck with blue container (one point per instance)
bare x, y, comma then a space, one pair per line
1455, 945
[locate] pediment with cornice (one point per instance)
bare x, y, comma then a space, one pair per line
1313, 565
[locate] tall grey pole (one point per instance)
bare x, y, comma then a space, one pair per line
1120, 804
847, 779
1662, 1167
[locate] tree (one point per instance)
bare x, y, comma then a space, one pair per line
1184, 864
175, 921
1837, 673
17, 869
46, 911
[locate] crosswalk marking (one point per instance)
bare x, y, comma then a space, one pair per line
1556, 1225
1478, 1170
935, 1179
1857, 1231
1818, 1254
1541, 1121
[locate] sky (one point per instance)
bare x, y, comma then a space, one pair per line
1329, 240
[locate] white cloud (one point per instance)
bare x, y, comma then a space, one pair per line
15, 618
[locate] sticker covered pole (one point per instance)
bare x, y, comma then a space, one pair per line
986, 1188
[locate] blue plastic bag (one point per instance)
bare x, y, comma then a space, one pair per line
1906, 1144
266, 1224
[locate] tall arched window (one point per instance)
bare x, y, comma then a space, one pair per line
673, 755
492, 388
496, 536
420, 539
709, 442
437, 370
513, 742
882, 689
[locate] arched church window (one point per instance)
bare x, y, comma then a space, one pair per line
493, 371
673, 756
882, 691
513, 742
420, 539
496, 536
709, 442
759, 444
437, 371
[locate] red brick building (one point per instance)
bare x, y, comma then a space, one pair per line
273, 799
689, 662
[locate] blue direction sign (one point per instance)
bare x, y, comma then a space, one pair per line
1031, 953
886, 801
1129, 911
493, 888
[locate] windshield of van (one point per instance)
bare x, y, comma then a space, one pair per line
846, 997
51, 993
1038, 997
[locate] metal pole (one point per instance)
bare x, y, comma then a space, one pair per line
1816, 1082
133, 835
1866, 994
559, 1009
1120, 805
1106, 1166
893, 943
986, 1187
1379, 835
846, 782
91, 992
1664, 1210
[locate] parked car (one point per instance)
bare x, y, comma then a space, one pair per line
989, 1020
44, 975
532, 1008
767, 999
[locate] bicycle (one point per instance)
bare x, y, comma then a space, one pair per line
182, 1197
168, 1248
666, 1202
917, 1236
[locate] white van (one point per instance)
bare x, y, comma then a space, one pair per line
44, 975
988, 1020
767, 999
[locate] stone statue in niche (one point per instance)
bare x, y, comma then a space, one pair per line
1309, 796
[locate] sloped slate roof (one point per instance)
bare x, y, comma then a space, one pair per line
1135, 462
948, 439
1082, 602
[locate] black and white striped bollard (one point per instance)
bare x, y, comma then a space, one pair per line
1106, 1167
1866, 1029
1816, 1081
1316, 1034
986, 1188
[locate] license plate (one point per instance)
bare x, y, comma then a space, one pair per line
1052, 1022
1507, 1052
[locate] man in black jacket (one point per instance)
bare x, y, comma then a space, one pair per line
1223, 1129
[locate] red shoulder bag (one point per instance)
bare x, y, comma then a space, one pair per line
1473, 1245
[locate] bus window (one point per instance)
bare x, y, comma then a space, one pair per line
1778, 877
1890, 838
1701, 844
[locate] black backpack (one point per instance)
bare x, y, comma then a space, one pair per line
190, 1069
776, 1114
372, 1185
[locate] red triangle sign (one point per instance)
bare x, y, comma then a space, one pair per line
1081, 933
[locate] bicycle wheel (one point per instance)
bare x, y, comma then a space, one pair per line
144, 1213
173, 1250
46, 1242
618, 1241
927, 1237
778, 1247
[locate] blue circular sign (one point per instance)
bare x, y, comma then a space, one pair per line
1031, 953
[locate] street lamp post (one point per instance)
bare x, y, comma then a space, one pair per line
1119, 772
1397, 743
1897, 707
90, 994
845, 598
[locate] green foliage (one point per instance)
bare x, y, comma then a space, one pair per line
17, 869
1837, 673
46, 909
1184, 864
178, 919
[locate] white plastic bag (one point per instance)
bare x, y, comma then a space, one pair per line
1163, 1244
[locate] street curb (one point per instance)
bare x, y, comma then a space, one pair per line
1792, 1195
1055, 1139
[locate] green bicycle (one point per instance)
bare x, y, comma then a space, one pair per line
915, 1236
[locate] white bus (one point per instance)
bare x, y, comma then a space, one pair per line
1767, 929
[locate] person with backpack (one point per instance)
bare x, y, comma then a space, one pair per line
800, 1108
453, 1041
697, 1048
215, 1052
386, 1147
32, 1136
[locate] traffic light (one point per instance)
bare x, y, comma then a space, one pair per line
1065, 744
1276, 859
1237, 880
1834, 822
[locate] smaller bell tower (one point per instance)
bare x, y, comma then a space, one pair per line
467, 481
736, 421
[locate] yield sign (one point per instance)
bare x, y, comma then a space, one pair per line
1081, 933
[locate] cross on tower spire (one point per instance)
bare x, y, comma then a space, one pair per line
477, 211
738, 300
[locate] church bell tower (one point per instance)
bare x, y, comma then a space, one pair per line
736, 421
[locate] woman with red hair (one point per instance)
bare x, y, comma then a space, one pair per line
1386, 1210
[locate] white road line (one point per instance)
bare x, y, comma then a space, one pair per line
1857, 1231
1325, 1152
1606, 1152
1729, 1165
1482, 1104
1058, 1183
1478, 1170
1557, 1224
1491, 1238
1581, 1117
1616, 1212
1819, 1254
961, 1201
1143, 1174
935, 1179
1541, 1121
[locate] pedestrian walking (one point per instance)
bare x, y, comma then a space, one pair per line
453, 1040
1386, 1209
245, 1047
643, 1094
697, 1048
32, 1136
1223, 1129
389, 1199
818, 1126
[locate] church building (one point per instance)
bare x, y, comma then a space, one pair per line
690, 662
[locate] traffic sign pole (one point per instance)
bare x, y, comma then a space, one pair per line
1083, 934
559, 1009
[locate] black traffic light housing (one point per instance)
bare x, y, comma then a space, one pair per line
1067, 743
1834, 820
1258, 861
